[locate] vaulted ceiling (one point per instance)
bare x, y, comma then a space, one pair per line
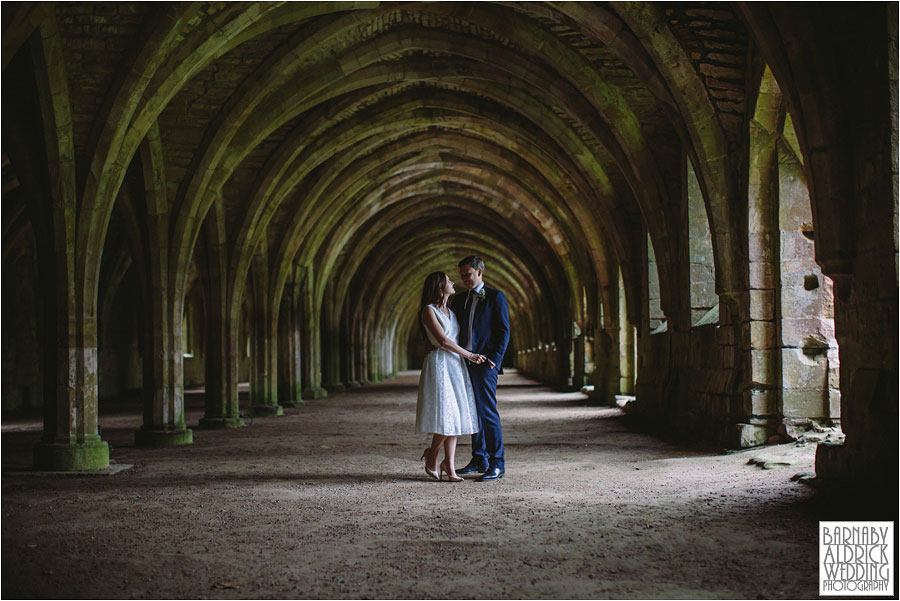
373, 143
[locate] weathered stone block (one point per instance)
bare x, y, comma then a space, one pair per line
803, 403
763, 334
761, 401
728, 59
798, 371
797, 247
794, 212
763, 365
795, 331
762, 304
760, 248
751, 436
718, 72
796, 301
834, 403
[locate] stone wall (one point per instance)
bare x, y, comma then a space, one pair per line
686, 383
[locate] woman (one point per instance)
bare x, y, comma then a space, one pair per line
446, 405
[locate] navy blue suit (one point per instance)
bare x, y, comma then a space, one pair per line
490, 336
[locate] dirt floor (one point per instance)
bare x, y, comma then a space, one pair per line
331, 501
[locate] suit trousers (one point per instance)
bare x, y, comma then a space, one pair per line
487, 443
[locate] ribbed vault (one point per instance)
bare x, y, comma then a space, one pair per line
305, 165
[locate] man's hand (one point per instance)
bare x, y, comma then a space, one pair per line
429, 348
491, 363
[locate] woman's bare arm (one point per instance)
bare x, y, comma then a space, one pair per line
430, 320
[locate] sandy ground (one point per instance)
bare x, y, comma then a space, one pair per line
331, 501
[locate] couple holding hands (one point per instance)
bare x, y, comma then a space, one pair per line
468, 334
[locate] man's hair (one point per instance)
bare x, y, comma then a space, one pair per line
474, 261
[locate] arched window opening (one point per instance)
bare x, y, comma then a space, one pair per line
809, 352
794, 363
194, 328
656, 317
188, 331
704, 302
627, 345
244, 341
587, 337
120, 362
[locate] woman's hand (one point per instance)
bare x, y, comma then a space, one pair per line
477, 359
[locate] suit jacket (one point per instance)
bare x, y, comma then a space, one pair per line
490, 324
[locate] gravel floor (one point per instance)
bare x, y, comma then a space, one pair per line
331, 501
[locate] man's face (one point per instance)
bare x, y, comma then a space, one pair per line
470, 278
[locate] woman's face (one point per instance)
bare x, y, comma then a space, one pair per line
448, 287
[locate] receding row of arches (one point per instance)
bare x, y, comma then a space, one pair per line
687, 204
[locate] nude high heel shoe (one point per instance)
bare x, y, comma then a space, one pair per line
426, 455
445, 467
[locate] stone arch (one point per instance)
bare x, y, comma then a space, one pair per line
397, 219
845, 144
45, 165
255, 129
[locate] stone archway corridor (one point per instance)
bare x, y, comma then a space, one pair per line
331, 502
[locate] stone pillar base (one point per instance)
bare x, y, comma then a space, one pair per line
751, 435
163, 438
71, 457
314, 393
353, 384
832, 462
219, 423
264, 410
335, 387
293, 404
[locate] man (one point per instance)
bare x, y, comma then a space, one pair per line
483, 317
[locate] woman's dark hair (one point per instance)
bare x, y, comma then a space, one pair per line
432, 293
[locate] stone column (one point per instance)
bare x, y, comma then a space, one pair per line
70, 441
289, 385
626, 345
263, 337
761, 386
163, 390
332, 343
310, 353
577, 357
606, 346
222, 408
351, 349
372, 359
40, 144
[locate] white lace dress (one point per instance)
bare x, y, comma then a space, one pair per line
446, 400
